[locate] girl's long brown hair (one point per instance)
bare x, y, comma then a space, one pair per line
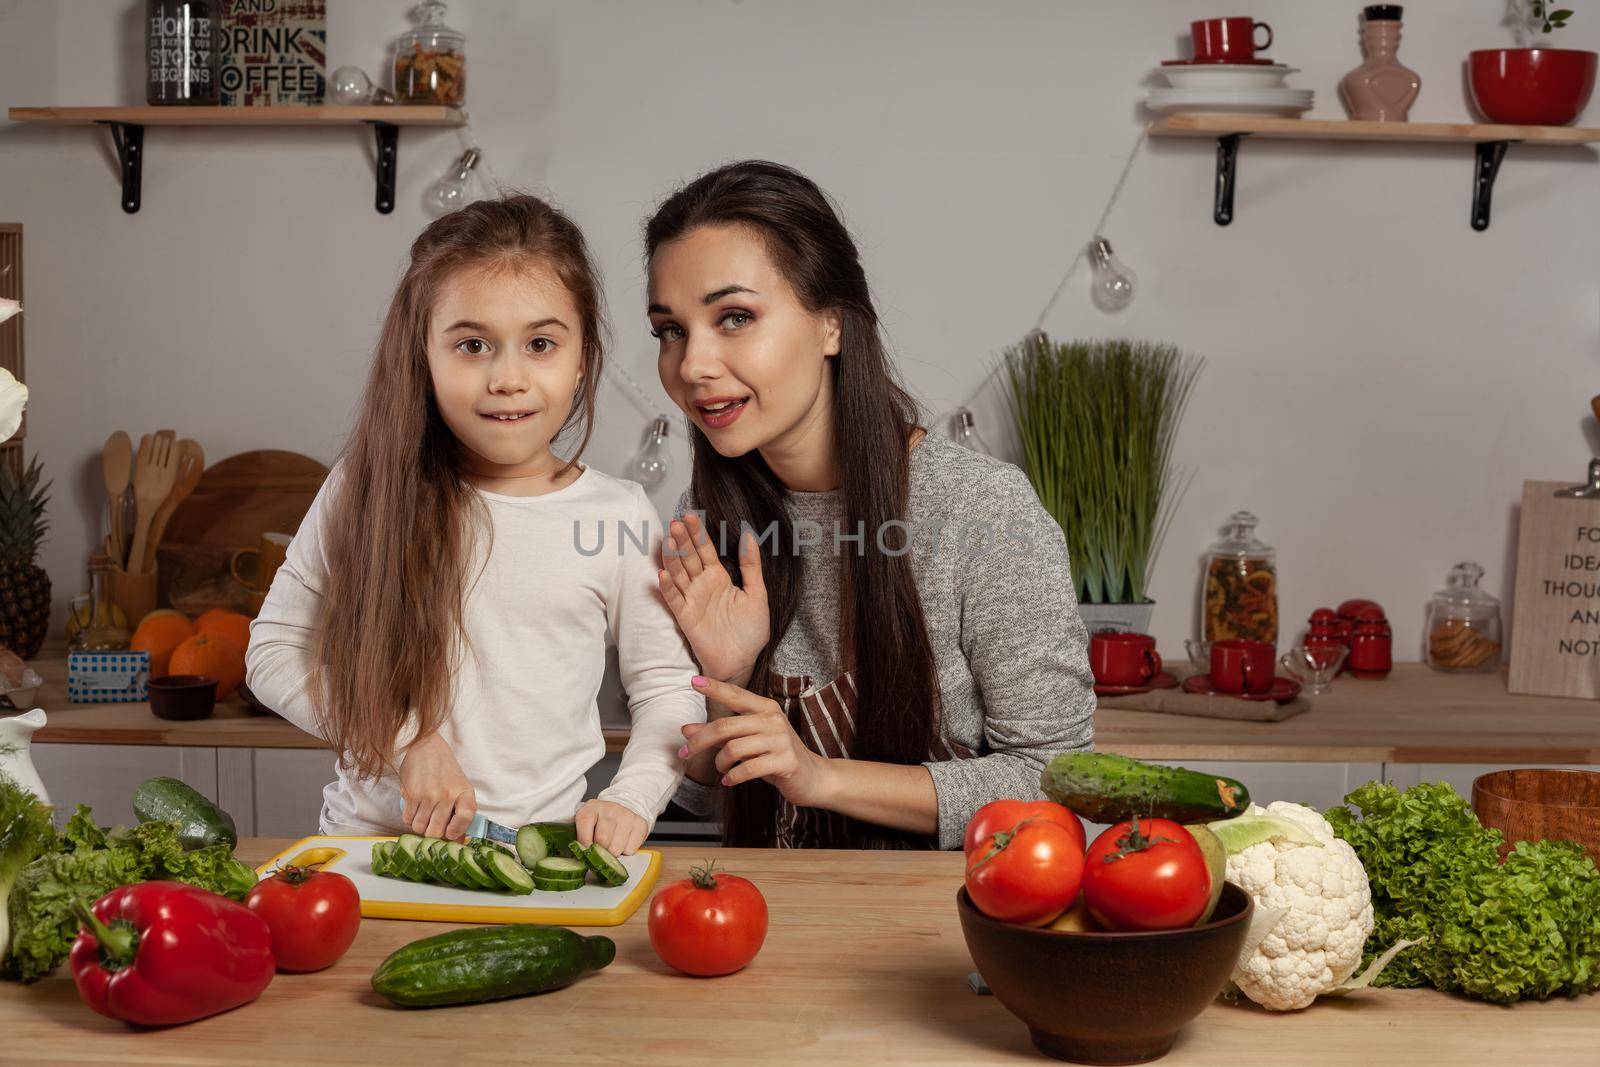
883, 632
399, 529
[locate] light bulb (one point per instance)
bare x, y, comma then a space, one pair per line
350, 87
1112, 284
966, 433
653, 462
450, 192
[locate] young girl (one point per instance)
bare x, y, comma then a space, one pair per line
442, 616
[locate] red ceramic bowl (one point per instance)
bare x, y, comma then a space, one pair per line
1531, 86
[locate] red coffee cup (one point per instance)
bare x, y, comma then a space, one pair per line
1227, 40
1242, 666
1123, 659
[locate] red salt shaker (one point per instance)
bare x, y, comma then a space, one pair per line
1327, 633
1371, 644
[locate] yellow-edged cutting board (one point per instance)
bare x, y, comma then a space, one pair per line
392, 898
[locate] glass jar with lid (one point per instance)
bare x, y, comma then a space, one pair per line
1464, 624
1241, 589
430, 60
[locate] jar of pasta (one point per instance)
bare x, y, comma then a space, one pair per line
430, 62
1241, 590
1464, 624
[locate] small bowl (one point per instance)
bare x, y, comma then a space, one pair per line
1104, 997
1533, 805
1531, 86
183, 696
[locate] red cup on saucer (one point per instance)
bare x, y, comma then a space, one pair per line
1123, 659
1228, 40
1243, 666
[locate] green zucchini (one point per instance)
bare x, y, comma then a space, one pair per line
1109, 789
600, 860
537, 840
200, 822
488, 963
509, 872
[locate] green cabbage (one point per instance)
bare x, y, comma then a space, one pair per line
1528, 928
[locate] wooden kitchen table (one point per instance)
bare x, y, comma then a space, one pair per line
864, 963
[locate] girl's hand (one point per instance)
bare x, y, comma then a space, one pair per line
439, 801
756, 741
611, 826
726, 626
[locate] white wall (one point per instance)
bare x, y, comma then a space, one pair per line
1380, 378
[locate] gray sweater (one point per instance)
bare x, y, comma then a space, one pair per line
1010, 649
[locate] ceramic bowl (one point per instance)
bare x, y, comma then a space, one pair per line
183, 696
1531, 86
1103, 997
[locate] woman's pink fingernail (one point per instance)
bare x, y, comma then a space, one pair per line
698, 681
725, 780
683, 753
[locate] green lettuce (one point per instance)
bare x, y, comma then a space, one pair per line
1527, 928
88, 864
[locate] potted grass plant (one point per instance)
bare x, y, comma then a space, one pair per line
1097, 421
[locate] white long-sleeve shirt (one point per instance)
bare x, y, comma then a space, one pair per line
523, 723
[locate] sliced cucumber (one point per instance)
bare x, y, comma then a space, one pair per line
537, 840
510, 873
600, 860
435, 860
451, 865
383, 862
554, 885
474, 870
406, 861
561, 867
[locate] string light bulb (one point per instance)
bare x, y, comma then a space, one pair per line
653, 462
450, 192
350, 87
966, 432
1111, 283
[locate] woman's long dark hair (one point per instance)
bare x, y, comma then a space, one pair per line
882, 626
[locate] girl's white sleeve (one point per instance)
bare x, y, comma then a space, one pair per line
656, 667
278, 664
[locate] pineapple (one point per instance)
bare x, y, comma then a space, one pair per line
24, 586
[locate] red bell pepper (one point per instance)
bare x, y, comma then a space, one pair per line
161, 953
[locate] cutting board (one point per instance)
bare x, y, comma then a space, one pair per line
392, 898
236, 501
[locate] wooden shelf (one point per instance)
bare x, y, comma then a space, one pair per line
127, 125
1489, 142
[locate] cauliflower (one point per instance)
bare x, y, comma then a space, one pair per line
1322, 908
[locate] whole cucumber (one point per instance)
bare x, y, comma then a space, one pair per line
1105, 788
200, 822
488, 963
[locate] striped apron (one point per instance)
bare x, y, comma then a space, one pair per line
823, 717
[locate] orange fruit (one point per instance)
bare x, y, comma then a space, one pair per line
158, 634
229, 624
212, 655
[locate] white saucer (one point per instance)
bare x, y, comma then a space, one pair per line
1230, 101
1227, 76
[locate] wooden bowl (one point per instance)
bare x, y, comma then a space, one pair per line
1102, 997
183, 696
1533, 805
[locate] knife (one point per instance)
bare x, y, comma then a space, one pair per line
489, 830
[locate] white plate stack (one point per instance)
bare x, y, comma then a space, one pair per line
1228, 89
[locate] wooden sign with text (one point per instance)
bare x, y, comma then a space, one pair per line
1555, 633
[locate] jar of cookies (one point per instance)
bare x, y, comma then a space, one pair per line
1464, 624
1241, 590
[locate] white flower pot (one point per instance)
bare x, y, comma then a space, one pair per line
1118, 618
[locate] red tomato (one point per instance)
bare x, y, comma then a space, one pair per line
1148, 874
1028, 875
314, 916
1006, 814
709, 923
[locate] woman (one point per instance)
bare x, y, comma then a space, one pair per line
864, 691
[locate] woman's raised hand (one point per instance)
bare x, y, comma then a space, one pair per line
726, 626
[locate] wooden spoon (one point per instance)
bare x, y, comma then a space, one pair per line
116, 463
191, 464
155, 470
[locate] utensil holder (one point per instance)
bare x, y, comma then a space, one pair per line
135, 594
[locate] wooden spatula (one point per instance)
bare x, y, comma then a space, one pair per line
116, 463
155, 470
191, 464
